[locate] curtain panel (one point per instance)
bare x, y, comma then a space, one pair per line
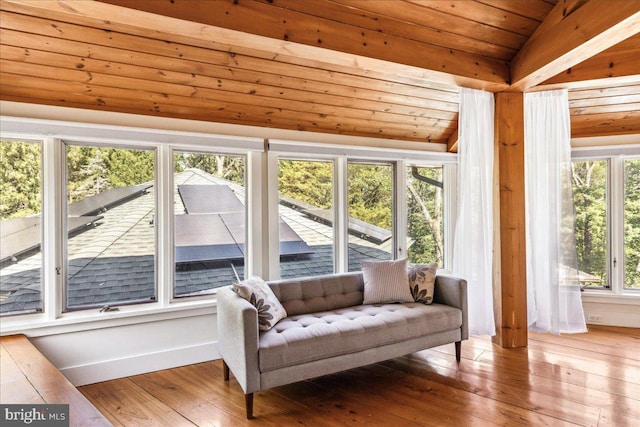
473, 239
553, 291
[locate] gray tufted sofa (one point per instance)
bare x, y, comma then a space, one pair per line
328, 330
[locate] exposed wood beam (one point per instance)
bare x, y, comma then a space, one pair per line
253, 25
620, 63
589, 30
452, 143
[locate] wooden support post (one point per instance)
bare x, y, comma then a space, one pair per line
510, 281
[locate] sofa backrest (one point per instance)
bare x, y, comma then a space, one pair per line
320, 293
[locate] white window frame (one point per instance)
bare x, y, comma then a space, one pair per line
169, 153
615, 157
62, 213
53, 320
342, 155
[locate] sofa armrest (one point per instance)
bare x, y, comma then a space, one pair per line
452, 291
238, 338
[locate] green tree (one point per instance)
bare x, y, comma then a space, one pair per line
92, 170
425, 222
590, 200
371, 194
227, 167
20, 179
311, 182
632, 223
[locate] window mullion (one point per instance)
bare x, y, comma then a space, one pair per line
616, 224
450, 174
53, 223
400, 233
341, 214
164, 224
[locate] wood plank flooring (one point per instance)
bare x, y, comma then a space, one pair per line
590, 379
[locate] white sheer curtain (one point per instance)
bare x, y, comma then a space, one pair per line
473, 240
553, 291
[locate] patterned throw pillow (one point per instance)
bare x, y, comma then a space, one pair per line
422, 278
385, 281
260, 295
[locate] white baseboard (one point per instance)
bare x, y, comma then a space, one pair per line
140, 364
624, 315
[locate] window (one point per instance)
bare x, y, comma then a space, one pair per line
111, 243
590, 199
370, 212
425, 215
20, 227
632, 224
130, 222
305, 192
209, 221
607, 207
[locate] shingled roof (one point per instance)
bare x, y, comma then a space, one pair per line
113, 261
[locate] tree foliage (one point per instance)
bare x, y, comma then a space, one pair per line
590, 200
227, 167
309, 181
632, 223
92, 170
20, 179
370, 194
425, 217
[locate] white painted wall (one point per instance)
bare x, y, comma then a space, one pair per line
612, 311
100, 354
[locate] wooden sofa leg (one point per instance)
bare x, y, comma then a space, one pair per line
225, 371
248, 401
458, 350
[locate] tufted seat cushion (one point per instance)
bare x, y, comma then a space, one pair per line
304, 338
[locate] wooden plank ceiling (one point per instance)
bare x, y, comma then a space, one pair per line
384, 68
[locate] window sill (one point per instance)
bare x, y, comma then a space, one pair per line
35, 325
606, 297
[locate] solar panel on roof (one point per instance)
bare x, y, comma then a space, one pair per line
199, 199
21, 235
206, 239
104, 200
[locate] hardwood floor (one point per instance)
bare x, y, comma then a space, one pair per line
590, 379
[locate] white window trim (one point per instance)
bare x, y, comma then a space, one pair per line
615, 156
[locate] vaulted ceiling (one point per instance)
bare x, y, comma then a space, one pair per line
383, 68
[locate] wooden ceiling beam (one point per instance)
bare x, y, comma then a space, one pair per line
620, 63
452, 142
280, 31
589, 30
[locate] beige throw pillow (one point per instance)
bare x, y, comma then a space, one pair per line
422, 278
386, 281
260, 295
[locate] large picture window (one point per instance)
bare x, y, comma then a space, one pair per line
20, 227
209, 221
110, 224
